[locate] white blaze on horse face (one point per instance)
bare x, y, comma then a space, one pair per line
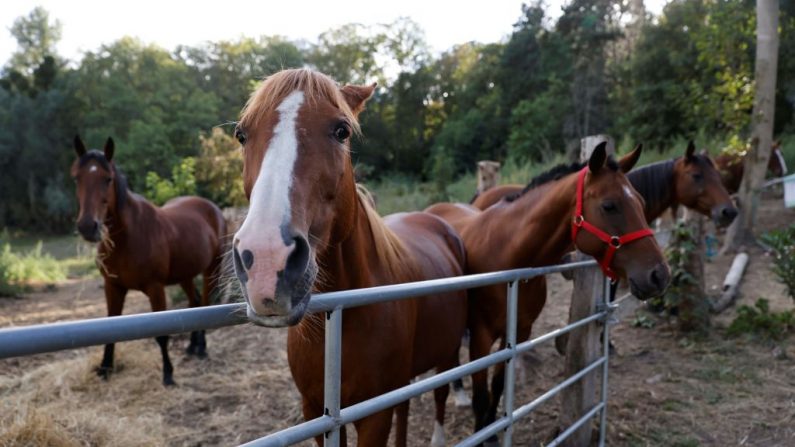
270, 212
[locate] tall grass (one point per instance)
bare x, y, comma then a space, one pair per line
18, 270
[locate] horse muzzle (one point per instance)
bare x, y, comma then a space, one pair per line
724, 215
650, 283
277, 293
89, 229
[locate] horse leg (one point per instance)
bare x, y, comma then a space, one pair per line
197, 346
114, 298
157, 299
401, 428
440, 399
373, 430
459, 394
479, 346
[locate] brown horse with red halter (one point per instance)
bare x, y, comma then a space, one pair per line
593, 208
143, 247
731, 166
310, 229
692, 181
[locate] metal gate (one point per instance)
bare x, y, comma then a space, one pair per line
43, 338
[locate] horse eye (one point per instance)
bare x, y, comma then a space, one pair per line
697, 176
108, 180
609, 207
241, 136
341, 132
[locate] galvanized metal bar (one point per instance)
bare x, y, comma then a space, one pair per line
524, 410
530, 344
37, 339
580, 422
361, 297
41, 338
510, 370
332, 375
485, 433
295, 434
605, 366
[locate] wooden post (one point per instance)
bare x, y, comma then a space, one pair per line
693, 305
488, 175
582, 347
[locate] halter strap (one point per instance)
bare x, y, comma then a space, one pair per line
613, 242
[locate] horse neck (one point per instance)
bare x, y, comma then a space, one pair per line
655, 183
539, 230
121, 221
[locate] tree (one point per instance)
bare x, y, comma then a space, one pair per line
36, 37
767, 12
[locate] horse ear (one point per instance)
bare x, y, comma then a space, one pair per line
357, 95
628, 161
109, 146
691, 151
598, 157
80, 148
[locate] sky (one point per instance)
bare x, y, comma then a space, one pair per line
89, 23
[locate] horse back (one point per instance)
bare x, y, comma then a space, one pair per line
493, 195
195, 232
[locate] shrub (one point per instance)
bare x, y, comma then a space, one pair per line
182, 182
17, 271
783, 244
759, 321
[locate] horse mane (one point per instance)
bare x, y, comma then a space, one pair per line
653, 181
388, 246
316, 86
120, 180
557, 172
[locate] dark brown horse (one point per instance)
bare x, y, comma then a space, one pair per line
310, 229
535, 228
143, 247
731, 166
691, 181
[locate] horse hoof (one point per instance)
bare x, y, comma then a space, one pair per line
492, 442
438, 439
103, 371
190, 350
201, 355
168, 381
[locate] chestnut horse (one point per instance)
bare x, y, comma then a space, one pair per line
310, 229
143, 247
691, 180
536, 228
731, 166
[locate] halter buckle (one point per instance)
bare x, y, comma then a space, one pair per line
615, 241
578, 220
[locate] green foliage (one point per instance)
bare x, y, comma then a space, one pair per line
219, 168
643, 320
761, 322
677, 254
19, 270
783, 244
182, 183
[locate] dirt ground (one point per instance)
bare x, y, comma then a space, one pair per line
665, 389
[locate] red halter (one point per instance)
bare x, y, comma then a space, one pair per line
613, 242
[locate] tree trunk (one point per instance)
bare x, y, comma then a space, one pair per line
693, 304
756, 160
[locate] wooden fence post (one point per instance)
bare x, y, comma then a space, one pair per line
582, 347
488, 175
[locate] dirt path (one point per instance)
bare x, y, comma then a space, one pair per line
664, 389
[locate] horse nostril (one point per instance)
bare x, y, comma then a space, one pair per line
729, 212
248, 259
655, 279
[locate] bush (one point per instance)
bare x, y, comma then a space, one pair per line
759, 321
783, 244
182, 183
219, 168
17, 271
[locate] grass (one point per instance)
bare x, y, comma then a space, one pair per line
27, 260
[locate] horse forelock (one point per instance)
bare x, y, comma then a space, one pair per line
120, 185
275, 88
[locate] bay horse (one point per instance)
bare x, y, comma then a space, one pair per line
691, 180
536, 228
311, 229
731, 166
145, 247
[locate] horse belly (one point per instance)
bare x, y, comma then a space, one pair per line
441, 321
